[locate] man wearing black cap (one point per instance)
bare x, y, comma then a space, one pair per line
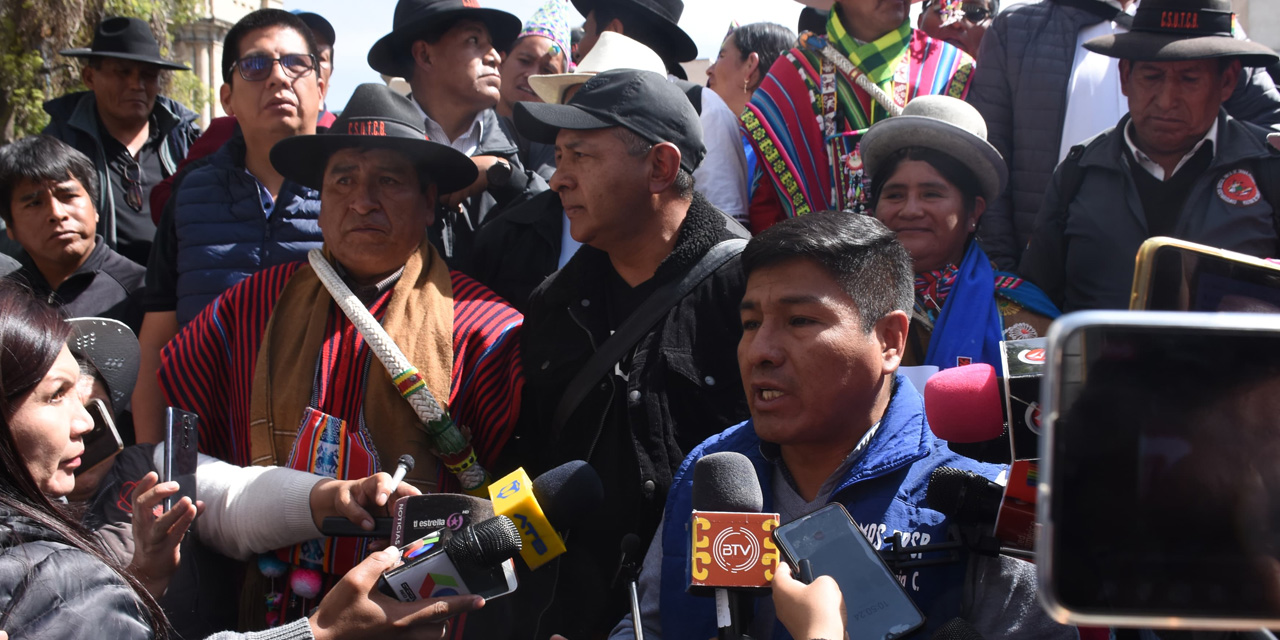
135, 137
631, 346
279, 374
722, 178
1176, 165
448, 52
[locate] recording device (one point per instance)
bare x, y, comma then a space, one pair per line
416, 516
403, 466
978, 403
875, 603
629, 573
102, 442
732, 554
552, 502
181, 456
476, 559
1176, 275
1160, 485
972, 500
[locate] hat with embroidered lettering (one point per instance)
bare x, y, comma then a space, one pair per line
1174, 30
419, 19
375, 118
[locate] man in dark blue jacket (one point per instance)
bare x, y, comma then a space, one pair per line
824, 326
134, 136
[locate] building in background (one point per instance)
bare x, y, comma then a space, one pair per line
199, 44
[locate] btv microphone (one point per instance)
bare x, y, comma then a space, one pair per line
475, 559
978, 403
971, 499
416, 516
555, 500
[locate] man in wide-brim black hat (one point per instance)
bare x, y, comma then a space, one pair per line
447, 50
1176, 165
135, 137
303, 361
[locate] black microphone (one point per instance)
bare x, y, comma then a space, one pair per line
726, 509
629, 572
956, 629
475, 559
973, 500
554, 501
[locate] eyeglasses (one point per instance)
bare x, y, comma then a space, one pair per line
133, 186
974, 13
258, 68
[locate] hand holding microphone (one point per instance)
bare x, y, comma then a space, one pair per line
334, 503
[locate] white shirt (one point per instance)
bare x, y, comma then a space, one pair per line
467, 143
568, 246
1153, 167
1094, 100
722, 176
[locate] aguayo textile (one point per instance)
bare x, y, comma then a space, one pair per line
808, 116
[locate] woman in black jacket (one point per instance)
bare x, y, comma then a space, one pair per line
55, 579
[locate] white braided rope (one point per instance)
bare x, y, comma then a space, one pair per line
835, 57
423, 403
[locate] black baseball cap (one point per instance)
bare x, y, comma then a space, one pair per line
643, 102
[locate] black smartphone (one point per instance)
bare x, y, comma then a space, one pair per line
181, 438
1176, 275
1160, 470
830, 544
101, 443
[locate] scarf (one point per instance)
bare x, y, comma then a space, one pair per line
968, 328
419, 317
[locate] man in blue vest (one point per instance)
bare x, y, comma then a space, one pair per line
824, 326
232, 214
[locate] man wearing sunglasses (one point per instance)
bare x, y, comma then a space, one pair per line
958, 22
232, 214
134, 136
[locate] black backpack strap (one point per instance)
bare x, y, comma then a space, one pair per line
648, 314
1071, 177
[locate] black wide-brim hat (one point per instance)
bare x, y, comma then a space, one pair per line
674, 43
1176, 30
126, 39
375, 118
390, 55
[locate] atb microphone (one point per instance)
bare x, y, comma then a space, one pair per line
475, 559
552, 502
971, 499
732, 545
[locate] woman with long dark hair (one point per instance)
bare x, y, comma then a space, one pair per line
55, 579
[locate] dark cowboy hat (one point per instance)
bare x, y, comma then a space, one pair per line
412, 18
1172, 30
126, 39
375, 117
673, 43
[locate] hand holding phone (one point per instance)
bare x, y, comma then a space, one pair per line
808, 607
181, 439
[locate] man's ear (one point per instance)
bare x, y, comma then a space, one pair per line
224, 96
1126, 67
664, 166
891, 332
1230, 76
421, 52
753, 67
86, 76
615, 25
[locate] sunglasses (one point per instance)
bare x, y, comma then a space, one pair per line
973, 12
133, 186
258, 68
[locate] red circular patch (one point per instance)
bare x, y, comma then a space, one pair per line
1239, 188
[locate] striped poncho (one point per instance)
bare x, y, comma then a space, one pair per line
800, 168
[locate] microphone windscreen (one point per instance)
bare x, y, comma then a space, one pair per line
956, 629
406, 461
485, 544
963, 404
964, 495
568, 493
726, 481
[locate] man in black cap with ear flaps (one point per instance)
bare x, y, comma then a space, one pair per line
1177, 165
447, 50
631, 346
134, 136
280, 374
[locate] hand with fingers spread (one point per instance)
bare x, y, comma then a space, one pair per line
356, 499
808, 610
356, 609
157, 534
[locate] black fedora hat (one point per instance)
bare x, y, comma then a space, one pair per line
672, 43
126, 39
375, 117
1172, 30
390, 55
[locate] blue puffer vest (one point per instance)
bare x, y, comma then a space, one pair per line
225, 235
884, 491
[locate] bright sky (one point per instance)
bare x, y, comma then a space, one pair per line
358, 28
